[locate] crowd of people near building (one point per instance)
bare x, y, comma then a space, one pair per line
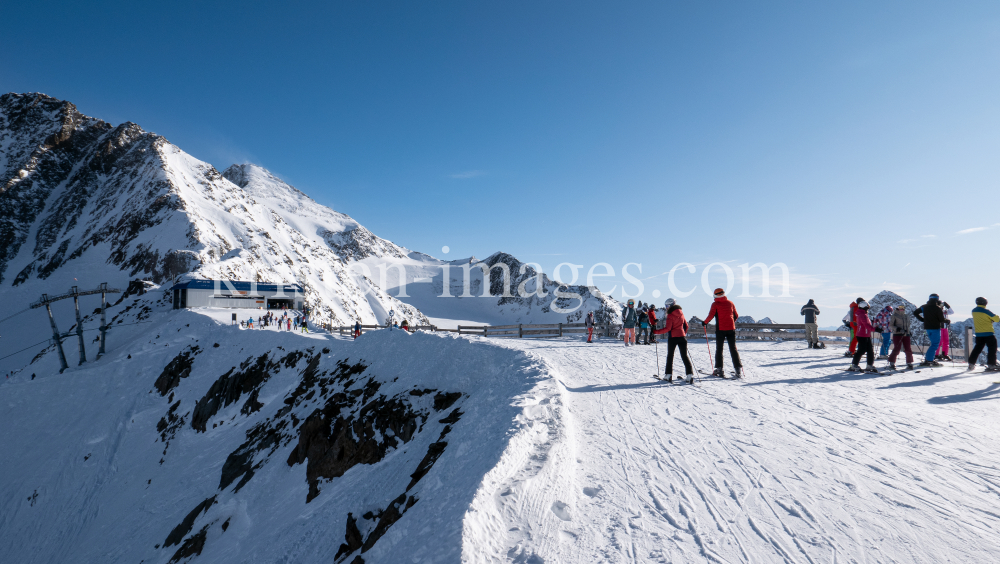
283, 322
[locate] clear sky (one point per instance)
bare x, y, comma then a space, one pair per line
856, 142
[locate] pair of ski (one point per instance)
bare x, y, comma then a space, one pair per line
688, 380
732, 375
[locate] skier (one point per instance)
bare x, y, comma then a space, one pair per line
651, 314
357, 329
405, 325
863, 333
725, 330
812, 328
305, 327
589, 322
849, 321
643, 326
629, 320
983, 319
942, 353
676, 328
933, 318
899, 323
882, 326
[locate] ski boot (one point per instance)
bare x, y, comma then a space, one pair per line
739, 371
854, 368
944, 357
972, 366
668, 377
719, 372
689, 378
870, 369
992, 368
848, 353
892, 367
909, 366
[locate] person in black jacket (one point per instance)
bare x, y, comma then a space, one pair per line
812, 328
933, 317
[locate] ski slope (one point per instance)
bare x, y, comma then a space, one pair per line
556, 451
801, 462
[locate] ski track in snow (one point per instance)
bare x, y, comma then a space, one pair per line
567, 452
800, 462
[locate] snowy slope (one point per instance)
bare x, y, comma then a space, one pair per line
276, 446
197, 437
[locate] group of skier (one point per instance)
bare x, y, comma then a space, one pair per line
676, 328
893, 323
636, 323
283, 322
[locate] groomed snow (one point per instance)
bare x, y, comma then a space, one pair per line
565, 452
802, 462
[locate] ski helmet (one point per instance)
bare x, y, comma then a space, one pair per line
863, 304
981, 302
631, 302
901, 307
669, 302
719, 292
934, 297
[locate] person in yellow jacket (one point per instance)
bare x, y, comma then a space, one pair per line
983, 319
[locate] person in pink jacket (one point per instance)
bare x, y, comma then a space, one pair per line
863, 332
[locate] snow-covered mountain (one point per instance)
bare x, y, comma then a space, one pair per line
89, 202
85, 202
528, 296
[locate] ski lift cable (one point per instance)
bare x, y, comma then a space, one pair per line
14, 315
26, 348
69, 335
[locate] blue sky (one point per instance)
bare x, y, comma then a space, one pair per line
856, 142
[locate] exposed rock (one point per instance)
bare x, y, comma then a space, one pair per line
179, 367
185, 526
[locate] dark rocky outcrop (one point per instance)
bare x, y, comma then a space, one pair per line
185, 526
179, 367
233, 384
192, 546
333, 444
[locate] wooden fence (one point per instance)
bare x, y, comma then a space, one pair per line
744, 331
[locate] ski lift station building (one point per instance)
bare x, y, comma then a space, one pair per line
236, 294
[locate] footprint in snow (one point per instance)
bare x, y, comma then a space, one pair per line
591, 492
561, 510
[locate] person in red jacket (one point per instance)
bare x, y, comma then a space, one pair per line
725, 330
853, 327
676, 329
652, 323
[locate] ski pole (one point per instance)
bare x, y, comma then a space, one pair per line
657, 349
708, 349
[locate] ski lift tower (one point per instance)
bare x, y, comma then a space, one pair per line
75, 293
